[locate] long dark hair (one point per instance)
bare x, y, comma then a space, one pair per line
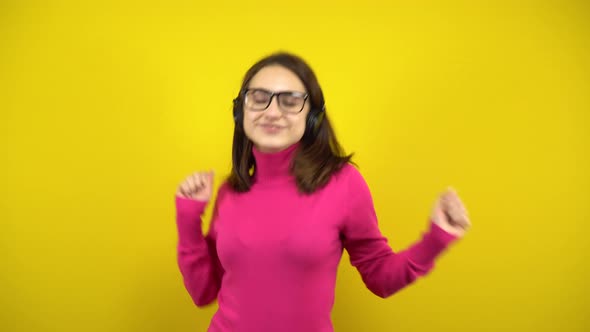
319, 154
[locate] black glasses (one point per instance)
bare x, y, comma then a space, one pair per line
289, 101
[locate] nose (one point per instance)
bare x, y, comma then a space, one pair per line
273, 111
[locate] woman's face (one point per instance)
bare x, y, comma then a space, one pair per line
280, 125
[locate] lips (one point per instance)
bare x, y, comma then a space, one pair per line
271, 126
271, 129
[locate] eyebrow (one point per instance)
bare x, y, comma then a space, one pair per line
276, 92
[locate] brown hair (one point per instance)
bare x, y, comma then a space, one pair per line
319, 154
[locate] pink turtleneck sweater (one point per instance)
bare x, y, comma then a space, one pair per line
271, 255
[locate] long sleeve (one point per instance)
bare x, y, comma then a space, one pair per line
383, 271
197, 254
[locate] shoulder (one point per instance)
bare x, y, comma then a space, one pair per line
349, 178
349, 173
224, 192
355, 192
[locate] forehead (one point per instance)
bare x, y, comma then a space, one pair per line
277, 78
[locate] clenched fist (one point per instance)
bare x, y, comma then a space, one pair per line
197, 186
450, 214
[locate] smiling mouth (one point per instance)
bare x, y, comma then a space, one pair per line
268, 126
271, 129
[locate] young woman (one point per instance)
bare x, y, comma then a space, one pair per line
292, 203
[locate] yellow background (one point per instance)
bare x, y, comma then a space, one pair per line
105, 107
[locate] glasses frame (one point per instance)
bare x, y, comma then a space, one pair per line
305, 96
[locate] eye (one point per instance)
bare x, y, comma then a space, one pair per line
259, 96
290, 100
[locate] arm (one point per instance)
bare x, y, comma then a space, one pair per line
383, 271
197, 254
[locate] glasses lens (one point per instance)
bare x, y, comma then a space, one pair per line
291, 102
257, 99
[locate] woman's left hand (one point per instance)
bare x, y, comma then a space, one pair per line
450, 214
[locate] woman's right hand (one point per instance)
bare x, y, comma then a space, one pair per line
197, 186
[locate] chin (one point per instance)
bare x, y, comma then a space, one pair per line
267, 145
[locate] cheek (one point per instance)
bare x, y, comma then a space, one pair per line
248, 122
298, 127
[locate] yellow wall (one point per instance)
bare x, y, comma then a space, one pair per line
105, 108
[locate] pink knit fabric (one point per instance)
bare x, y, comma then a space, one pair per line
272, 253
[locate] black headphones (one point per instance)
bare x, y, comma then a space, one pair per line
314, 120
312, 124
237, 109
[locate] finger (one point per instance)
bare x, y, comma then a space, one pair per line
200, 180
464, 225
454, 212
451, 191
195, 181
453, 196
456, 206
185, 188
467, 221
206, 179
463, 221
455, 203
446, 202
457, 213
192, 182
462, 207
453, 216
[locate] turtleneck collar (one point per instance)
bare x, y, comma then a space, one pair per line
274, 167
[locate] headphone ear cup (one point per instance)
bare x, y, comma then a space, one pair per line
314, 120
310, 124
236, 111
319, 118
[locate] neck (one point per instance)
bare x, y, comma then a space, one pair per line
274, 167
